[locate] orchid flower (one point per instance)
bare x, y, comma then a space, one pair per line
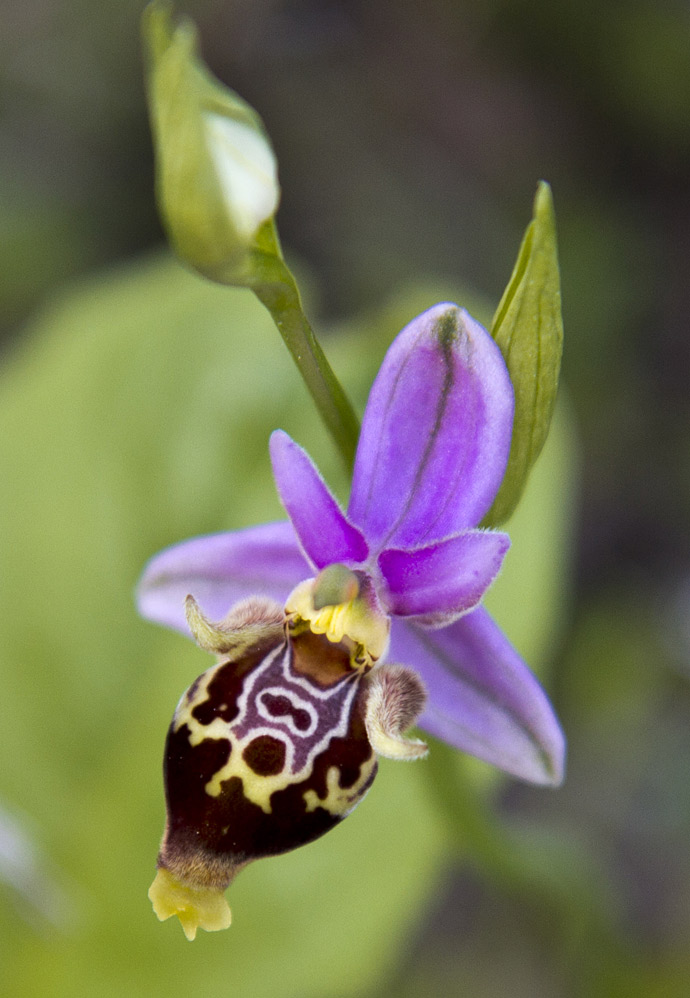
277, 742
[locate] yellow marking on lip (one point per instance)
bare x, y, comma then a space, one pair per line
256, 788
340, 800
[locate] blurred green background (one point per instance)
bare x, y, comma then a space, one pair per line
135, 405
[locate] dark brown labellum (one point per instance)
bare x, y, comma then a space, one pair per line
264, 754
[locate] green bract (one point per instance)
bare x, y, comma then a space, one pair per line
216, 173
529, 331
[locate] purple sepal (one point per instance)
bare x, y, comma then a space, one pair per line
320, 524
220, 569
482, 697
444, 580
435, 435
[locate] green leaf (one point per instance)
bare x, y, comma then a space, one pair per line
528, 328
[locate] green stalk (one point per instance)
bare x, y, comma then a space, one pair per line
281, 297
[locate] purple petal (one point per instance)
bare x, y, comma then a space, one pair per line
482, 697
219, 570
436, 432
320, 524
443, 580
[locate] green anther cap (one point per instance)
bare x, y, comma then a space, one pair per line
335, 585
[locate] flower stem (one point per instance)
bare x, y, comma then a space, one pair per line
281, 297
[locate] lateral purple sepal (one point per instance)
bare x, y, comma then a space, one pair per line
220, 569
436, 433
323, 530
444, 580
482, 697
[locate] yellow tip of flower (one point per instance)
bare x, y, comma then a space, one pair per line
196, 908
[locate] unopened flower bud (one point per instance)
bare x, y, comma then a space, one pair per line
216, 172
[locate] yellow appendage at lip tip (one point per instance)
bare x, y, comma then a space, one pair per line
196, 908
